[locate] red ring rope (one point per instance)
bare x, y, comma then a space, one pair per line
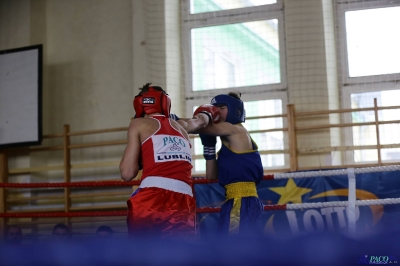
103, 184
113, 213
98, 183
62, 214
72, 184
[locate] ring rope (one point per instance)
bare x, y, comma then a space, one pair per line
308, 174
336, 172
296, 206
343, 203
205, 181
271, 207
378, 202
62, 214
98, 183
72, 184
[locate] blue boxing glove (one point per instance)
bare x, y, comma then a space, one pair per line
174, 117
209, 143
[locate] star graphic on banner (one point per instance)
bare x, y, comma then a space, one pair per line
290, 193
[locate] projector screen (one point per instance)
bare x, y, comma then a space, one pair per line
21, 96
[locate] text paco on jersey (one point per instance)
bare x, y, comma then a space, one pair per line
171, 148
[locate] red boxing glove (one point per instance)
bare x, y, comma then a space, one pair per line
210, 110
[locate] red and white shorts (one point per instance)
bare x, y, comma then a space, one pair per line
162, 207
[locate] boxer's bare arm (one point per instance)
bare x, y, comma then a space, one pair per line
129, 165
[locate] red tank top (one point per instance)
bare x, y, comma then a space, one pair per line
167, 153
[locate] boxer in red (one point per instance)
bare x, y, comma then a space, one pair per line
163, 205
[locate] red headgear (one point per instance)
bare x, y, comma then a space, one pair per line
151, 102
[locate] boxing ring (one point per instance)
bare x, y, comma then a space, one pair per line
322, 200
353, 218
335, 208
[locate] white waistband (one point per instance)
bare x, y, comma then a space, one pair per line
167, 183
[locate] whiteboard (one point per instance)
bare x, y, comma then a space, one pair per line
20, 96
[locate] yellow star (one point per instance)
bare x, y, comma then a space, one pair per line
290, 193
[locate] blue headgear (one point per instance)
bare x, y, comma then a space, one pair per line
236, 112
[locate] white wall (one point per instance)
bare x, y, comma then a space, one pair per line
97, 53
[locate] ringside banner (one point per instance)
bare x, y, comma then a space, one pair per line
369, 219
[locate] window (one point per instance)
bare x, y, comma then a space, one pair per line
365, 135
368, 41
372, 44
237, 46
239, 54
233, 44
266, 141
370, 70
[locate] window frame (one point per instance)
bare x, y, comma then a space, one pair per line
192, 21
342, 7
350, 85
346, 102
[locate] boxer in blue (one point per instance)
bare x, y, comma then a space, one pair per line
237, 167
